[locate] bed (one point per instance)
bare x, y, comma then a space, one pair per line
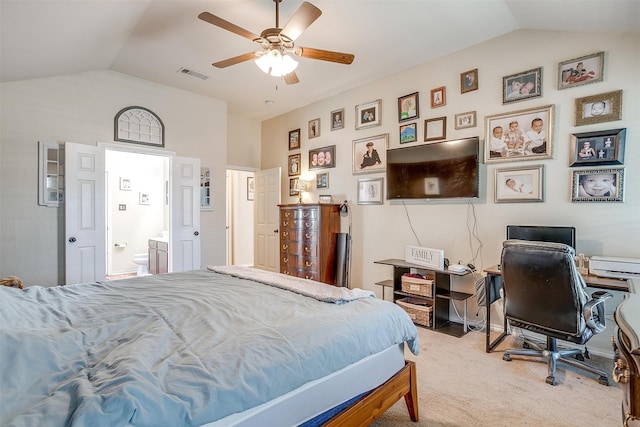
215, 347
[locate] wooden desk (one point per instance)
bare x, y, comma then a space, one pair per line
493, 284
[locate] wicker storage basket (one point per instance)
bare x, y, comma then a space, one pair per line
413, 285
418, 310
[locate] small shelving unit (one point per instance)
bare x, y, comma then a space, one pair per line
441, 298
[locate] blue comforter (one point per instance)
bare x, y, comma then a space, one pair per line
179, 349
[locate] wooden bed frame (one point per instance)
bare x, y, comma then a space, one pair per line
376, 402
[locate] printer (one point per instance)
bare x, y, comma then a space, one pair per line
619, 268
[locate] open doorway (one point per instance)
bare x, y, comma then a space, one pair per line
239, 216
137, 209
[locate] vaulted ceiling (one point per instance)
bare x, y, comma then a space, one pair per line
155, 39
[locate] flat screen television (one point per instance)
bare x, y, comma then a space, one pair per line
540, 233
441, 170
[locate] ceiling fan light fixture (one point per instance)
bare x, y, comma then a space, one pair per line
276, 64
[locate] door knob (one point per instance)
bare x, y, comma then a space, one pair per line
72, 239
275, 231
196, 233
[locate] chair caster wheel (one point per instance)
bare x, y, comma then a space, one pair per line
579, 357
506, 357
526, 345
551, 380
604, 380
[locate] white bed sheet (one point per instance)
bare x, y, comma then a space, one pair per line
318, 396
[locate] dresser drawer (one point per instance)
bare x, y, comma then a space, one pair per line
300, 213
299, 248
290, 224
298, 235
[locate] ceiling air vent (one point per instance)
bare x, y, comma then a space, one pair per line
193, 73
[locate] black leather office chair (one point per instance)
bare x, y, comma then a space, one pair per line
544, 293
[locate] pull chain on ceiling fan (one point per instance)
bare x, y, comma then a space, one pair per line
277, 44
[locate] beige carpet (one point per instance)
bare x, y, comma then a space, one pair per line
459, 384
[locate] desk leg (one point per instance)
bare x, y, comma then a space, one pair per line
464, 320
490, 345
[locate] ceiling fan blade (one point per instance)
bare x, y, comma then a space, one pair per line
291, 78
235, 60
219, 22
325, 55
300, 21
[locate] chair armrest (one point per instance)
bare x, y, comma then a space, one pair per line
594, 311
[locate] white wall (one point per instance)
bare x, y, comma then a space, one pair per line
81, 108
382, 231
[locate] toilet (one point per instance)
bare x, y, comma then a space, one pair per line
142, 260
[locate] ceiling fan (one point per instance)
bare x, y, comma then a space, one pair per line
278, 43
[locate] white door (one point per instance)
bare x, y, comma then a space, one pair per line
184, 253
84, 212
266, 242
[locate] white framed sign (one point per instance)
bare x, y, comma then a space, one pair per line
427, 257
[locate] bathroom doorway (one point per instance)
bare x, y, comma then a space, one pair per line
137, 207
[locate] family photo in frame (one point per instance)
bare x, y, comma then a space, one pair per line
294, 164
368, 115
601, 108
598, 148
469, 81
519, 135
579, 71
522, 86
598, 185
322, 158
337, 119
521, 184
294, 139
370, 154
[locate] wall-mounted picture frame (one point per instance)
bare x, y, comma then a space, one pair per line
520, 184
294, 165
438, 97
250, 188
125, 184
144, 199
370, 154
322, 158
294, 139
322, 180
581, 71
469, 81
465, 120
314, 128
605, 147
370, 191
435, 129
600, 108
522, 86
598, 185
206, 200
408, 107
519, 135
293, 186
337, 119
369, 114
408, 133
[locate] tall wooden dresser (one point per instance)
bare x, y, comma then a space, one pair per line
308, 235
626, 344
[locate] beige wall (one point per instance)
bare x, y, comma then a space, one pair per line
382, 231
81, 108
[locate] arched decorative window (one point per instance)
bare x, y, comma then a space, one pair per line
139, 125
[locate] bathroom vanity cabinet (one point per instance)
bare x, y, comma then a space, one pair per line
158, 256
